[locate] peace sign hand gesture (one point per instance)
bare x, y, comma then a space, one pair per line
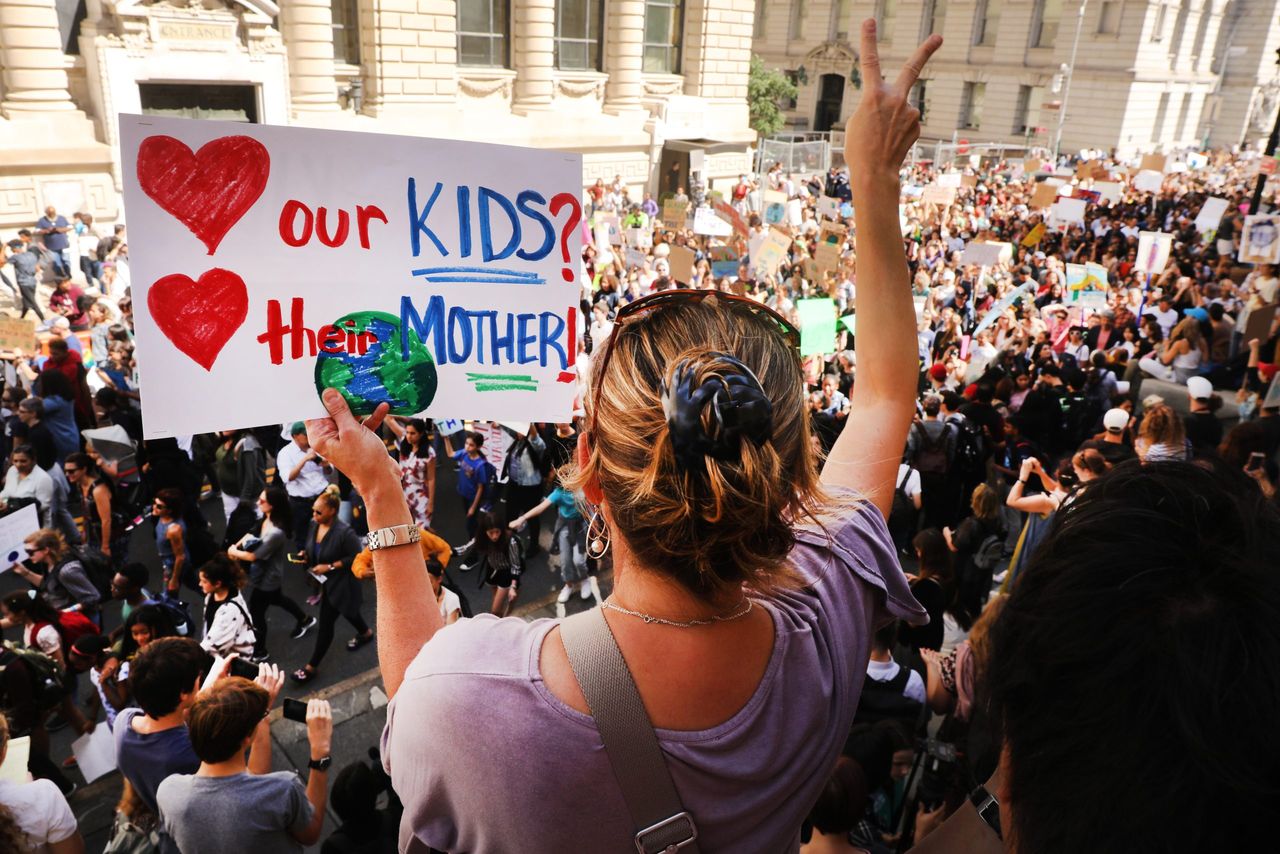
881, 131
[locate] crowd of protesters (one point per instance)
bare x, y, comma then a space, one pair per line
1030, 416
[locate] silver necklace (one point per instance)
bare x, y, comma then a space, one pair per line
679, 624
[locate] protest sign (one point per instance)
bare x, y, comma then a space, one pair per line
726, 212
770, 253
1211, 213
1069, 211
1153, 163
775, 207
262, 252
1267, 165
999, 308
1045, 195
18, 333
1087, 285
1030, 165
1108, 191
827, 257
1148, 181
636, 258
14, 768
1258, 324
497, 441
829, 207
1271, 399
1260, 239
449, 426
817, 325
675, 214
706, 222
682, 260
987, 254
1034, 236
937, 195
1153, 251
725, 261
970, 181
1196, 160
640, 238
1084, 169
833, 233
948, 179
1092, 197
14, 530
95, 753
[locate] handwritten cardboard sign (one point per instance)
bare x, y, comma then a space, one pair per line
949, 179
1148, 181
935, 194
1211, 213
271, 262
1045, 195
1153, 162
775, 207
1087, 285
706, 222
829, 207
1153, 251
724, 261
675, 214
17, 333
987, 254
1260, 239
682, 259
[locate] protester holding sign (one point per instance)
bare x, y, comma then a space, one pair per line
680, 570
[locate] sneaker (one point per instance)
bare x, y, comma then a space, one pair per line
304, 627
258, 657
584, 589
565, 593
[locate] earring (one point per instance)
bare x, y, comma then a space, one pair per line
598, 541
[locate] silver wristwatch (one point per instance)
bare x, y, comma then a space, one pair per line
396, 535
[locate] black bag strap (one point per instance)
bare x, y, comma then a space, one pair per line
661, 821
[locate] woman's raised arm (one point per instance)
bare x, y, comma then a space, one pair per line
878, 137
404, 624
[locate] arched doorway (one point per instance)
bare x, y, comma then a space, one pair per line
830, 95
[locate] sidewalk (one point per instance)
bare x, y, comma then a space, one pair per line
359, 714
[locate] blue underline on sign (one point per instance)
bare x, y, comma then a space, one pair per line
483, 280
431, 272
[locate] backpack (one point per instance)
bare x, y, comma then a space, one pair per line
176, 610
970, 457
73, 625
931, 454
881, 701
903, 516
97, 568
47, 675
989, 552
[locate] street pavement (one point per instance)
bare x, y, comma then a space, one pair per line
350, 681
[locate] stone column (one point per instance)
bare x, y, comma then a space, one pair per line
625, 58
307, 27
535, 55
35, 76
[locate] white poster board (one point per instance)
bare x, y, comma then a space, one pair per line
987, 254
949, 179
1260, 239
1109, 191
14, 530
1153, 251
268, 262
95, 753
1211, 213
706, 222
1070, 211
829, 207
1148, 181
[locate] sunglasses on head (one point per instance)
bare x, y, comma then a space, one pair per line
646, 306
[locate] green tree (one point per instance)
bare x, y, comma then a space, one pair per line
765, 88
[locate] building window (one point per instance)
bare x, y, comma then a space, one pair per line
1109, 17
1179, 30
1045, 18
1157, 129
986, 22
917, 98
1182, 115
885, 10
795, 23
794, 77
1027, 111
1157, 30
1202, 30
935, 11
663, 23
579, 27
483, 33
971, 105
346, 31
843, 16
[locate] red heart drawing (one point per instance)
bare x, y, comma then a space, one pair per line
208, 191
199, 317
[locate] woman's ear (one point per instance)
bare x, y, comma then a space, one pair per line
590, 489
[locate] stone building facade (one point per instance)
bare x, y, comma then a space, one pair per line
652, 90
1148, 74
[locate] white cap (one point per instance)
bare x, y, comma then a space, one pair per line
1115, 420
1200, 388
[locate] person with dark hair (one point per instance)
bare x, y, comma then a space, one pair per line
891, 691
1173, 708
977, 545
570, 538
305, 476
933, 586
840, 807
111, 409
227, 626
129, 585
931, 450
332, 548
103, 525
26, 483
733, 557
525, 469
35, 816
498, 556
25, 260
476, 478
417, 460
31, 430
67, 365
266, 553
234, 804
58, 574
152, 741
171, 538
365, 829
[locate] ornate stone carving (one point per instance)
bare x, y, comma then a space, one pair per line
483, 87
662, 87
581, 88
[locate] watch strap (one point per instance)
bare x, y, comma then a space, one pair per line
321, 764
396, 535
988, 808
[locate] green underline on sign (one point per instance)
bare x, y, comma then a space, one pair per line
501, 386
525, 378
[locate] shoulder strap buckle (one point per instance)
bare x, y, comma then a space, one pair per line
668, 835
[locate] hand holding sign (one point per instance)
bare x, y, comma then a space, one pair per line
884, 127
351, 445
